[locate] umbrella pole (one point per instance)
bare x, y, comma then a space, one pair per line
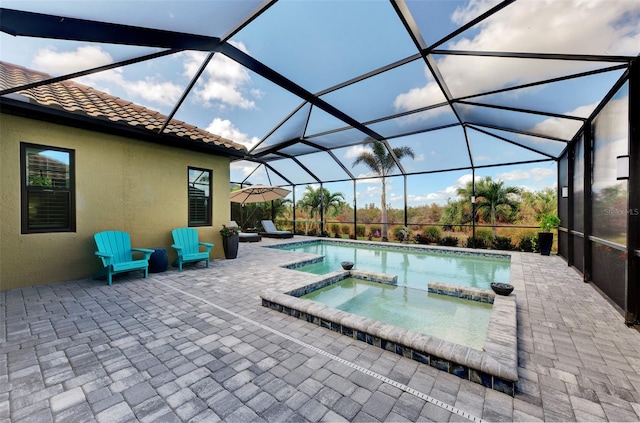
250, 214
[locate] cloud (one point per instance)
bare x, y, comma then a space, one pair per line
472, 9
615, 124
356, 150
514, 175
578, 26
151, 89
583, 111
156, 91
440, 196
464, 180
540, 173
420, 97
226, 129
531, 176
245, 168
62, 63
369, 178
559, 128
224, 83
611, 129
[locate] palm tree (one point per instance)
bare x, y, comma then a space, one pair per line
456, 213
494, 200
381, 162
321, 199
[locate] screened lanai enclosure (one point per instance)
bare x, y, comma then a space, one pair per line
537, 94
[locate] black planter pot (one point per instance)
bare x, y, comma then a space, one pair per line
347, 265
230, 246
545, 242
501, 288
158, 260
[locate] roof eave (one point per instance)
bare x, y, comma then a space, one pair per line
54, 115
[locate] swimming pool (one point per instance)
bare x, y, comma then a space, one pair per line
414, 267
450, 318
494, 365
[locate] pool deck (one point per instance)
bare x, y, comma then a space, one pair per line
198, 346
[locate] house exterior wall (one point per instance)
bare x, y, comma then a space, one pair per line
121, 184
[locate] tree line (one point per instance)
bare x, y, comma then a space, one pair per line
488, 202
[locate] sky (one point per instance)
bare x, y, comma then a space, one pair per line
319, 44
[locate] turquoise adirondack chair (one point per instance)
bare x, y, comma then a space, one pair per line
186, 244
114, 249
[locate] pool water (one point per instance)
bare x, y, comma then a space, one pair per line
452, 319
413, 268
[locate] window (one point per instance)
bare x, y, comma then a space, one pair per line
199, 197
48, 189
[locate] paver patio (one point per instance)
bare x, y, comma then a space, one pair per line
198, 346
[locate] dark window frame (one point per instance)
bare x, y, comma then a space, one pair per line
29, 192
193, 199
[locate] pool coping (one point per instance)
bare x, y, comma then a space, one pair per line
495, 366
437, 249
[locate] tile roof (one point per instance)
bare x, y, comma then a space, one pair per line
83, 100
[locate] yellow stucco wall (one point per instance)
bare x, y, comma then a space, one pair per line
121, 184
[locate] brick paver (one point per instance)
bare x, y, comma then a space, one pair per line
198, 346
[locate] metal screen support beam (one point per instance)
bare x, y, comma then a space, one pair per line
261, 69
293, 190
405, 202
321, 209
355, 209
40, 25
588, 212
571, 152
633, 215
187, 90
473, 207
87, 72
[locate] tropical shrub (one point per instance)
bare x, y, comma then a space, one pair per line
360, 230
431, 235
434, 233
422, 239
346, 229
548, 222
335, 228
528, 244
485, 234
401, 233
449, 241
479, 243
502, 243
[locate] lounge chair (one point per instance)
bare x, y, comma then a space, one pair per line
270, 231
186, 244
116, 254
245, 236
